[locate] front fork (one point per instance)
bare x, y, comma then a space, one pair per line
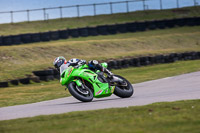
78, 83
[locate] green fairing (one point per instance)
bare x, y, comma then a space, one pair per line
100, 89
104, 64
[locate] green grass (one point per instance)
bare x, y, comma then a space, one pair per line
50, 90
41, 26
20, 60
173, 117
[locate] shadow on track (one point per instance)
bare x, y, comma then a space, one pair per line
95, 101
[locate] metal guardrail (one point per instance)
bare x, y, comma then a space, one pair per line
77, 7
46, 16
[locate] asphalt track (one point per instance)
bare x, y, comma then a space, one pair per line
182, 87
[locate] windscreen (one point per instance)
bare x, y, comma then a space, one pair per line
63, 68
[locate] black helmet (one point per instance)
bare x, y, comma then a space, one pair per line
58, 62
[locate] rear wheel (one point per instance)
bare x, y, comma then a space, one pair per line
123, 90
82, 94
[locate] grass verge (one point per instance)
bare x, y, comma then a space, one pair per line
50, 90
42, 26
174, 117
17, 61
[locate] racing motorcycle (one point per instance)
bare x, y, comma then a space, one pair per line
85, 84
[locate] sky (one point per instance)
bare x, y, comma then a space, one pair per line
14, 5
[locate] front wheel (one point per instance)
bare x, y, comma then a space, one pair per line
124, 90
84, 95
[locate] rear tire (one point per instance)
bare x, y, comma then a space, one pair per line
122, 91
74, 92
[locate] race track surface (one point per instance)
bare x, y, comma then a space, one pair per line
181, 87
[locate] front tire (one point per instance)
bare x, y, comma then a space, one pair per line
75, 93
124, 91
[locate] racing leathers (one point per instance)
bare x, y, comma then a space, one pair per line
92, 65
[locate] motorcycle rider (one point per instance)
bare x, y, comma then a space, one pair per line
60, 63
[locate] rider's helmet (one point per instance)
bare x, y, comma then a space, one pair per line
73, 62
58, 61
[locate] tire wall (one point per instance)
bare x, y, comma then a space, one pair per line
51, 74
98, 30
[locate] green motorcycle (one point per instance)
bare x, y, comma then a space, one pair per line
84, 84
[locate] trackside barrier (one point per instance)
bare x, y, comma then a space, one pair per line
45, 36
16, 39
14, 82
63, 34
25, 81
1, 41
51, 74
74, 32
26, 38
98, 30
92, 31
83, 32
121, 28
3, 84
35, 37
7, 40
54, 35
102, 30
112, 29
45, 75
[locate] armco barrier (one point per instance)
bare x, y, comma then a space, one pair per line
99, 30
50, 74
